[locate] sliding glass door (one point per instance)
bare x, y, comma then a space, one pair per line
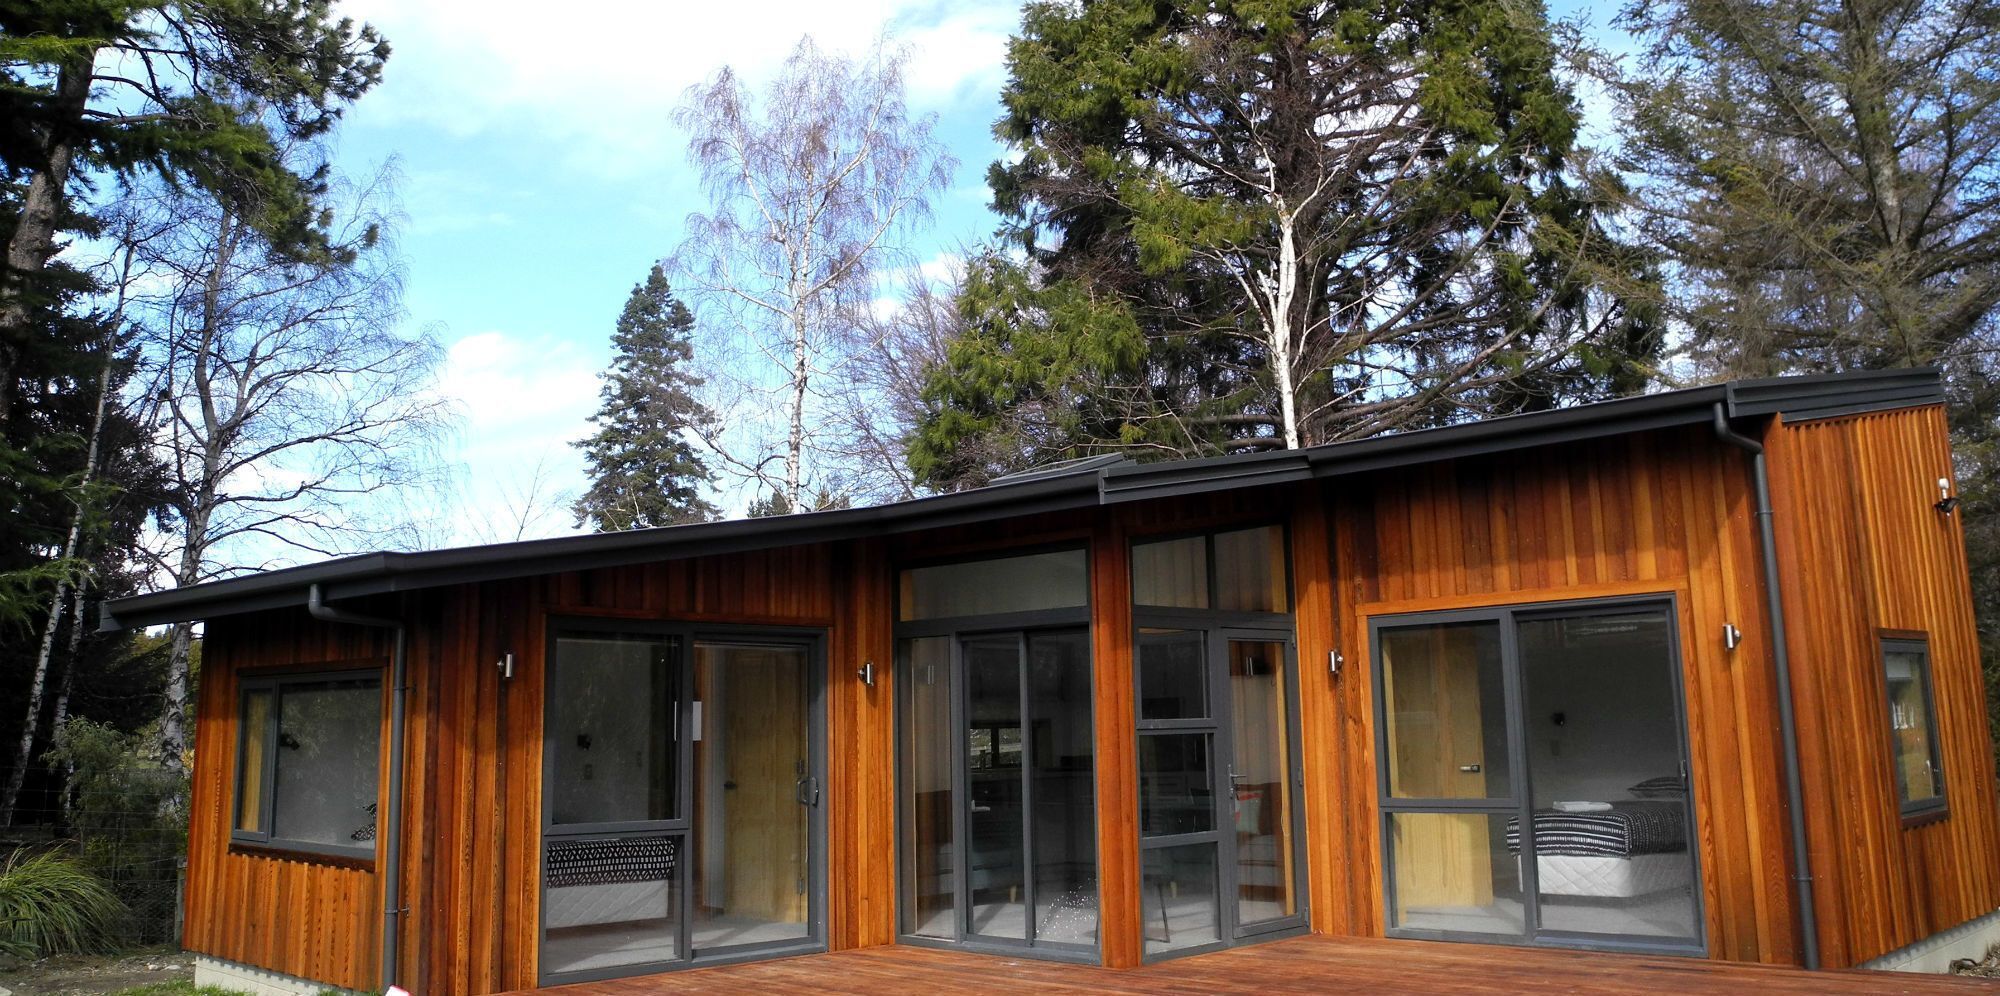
996, 753
682, 779
1533, 776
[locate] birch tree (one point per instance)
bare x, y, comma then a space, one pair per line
292, 400
811, 188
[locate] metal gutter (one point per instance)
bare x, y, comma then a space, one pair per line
1802, 879
392, 820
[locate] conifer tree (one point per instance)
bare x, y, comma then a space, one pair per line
644, 470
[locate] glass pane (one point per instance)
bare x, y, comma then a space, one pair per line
1061, 755
1177, 897
1605, 761
1171, 572
611, 729
1173, 674
1454, 871
984, 587
995, 855
255, 735
1261, 793
1250, 570
752, 789
328, 763
612, 902
925, 795
1910, 725
1176, 786
1447, 725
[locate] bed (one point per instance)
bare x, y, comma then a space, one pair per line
1635, 848
608, 881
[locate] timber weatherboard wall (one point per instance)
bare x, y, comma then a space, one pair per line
1865, 554
1664, 510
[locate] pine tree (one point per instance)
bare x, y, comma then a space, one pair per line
643, 469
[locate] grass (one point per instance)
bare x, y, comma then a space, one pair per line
49, 904
178, 987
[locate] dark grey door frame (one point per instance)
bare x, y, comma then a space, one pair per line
683, 637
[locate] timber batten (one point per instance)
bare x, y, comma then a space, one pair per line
1657, 509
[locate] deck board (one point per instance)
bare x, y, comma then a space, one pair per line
1298, 965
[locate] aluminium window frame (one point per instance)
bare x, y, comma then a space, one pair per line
1519, 803
1933, 807
275, 684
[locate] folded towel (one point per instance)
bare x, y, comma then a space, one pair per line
1583, 807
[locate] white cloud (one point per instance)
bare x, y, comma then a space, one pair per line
523, 400
603, 78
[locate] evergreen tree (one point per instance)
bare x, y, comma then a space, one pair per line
1261, 225
643, 469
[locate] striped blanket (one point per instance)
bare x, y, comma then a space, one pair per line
1627, 828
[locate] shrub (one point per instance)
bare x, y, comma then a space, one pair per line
49, 904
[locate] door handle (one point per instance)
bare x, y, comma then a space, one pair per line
1470, 769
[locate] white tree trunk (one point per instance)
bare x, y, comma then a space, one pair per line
1285, 341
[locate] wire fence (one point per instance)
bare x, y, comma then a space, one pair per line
121, 826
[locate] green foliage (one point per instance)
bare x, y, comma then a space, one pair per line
644, 471
178, 987
50, 904
1274, 220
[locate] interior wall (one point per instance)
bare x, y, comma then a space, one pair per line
1864, 551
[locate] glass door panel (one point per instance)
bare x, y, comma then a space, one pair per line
1062, 788
1447, 712
996, 851
926, 800
612, 855
1604, 748
753, 794
1261, 802
1178, 898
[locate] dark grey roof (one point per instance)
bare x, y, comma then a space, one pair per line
1072, 484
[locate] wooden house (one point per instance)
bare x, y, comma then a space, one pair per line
1693, 673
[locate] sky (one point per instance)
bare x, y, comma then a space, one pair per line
541, 177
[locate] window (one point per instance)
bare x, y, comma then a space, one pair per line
1242, 570
308, 762
1032, 583
1913, 747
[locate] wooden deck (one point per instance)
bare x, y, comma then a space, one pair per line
1298, 965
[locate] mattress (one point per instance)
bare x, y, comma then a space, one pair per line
1626, 829
1607, 877
608, 880
612, 902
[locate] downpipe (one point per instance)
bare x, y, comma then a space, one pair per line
391, 824
1767, 540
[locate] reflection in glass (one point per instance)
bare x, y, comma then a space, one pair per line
328, 763
1447, 715
1250, 570
752, 783
1065, 828
985, 587
1175, 784
611, 729
1171, 573
1604, 761
1261, 794
1453, 872
996, 855
610, 902
1177, 897
925, 797
1907, 666
1173, 674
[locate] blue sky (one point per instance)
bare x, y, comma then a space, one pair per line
541, 177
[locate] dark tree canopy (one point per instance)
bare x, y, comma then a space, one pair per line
1256, 225
644, 469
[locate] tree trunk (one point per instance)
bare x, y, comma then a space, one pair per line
796, 442
68, 684
39, 682
33, 240
1284, 345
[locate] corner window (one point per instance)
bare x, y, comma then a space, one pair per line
1913, 747
308, 762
